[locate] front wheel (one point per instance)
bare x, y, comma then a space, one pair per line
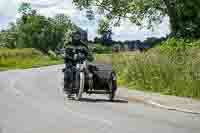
80, 82
67, 82
112, 87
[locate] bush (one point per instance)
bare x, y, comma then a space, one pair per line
179, 43
100, 49
52, 55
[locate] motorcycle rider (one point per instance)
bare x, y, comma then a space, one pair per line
69, 74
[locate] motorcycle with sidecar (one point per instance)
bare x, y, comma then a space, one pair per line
89, 78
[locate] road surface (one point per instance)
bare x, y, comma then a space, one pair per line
32, 101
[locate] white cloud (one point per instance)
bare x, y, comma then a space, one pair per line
8, 8
129, 31
43, 3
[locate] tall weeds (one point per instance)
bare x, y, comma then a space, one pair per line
175, 71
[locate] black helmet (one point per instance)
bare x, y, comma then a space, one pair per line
76, 36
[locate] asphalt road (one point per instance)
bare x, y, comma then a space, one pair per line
32, 101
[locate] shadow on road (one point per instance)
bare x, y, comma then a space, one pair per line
102, 100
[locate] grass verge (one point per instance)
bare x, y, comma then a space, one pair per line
171, 72
24, 58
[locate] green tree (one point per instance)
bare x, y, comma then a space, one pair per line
8, 37
105, 32
33, 30
44, 33
103, 27
25, 9
183, 14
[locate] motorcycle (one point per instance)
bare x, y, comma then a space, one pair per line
91, 78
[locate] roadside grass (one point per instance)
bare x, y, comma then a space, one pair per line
29, 58
174, 71
25, 58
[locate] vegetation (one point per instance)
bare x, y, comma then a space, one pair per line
183, 14
33, 30
179, 43
34, 40
25, 58
100, 49
105, 33
168, 70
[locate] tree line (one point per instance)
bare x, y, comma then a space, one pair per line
33, 30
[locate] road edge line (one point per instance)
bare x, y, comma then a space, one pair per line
158, 105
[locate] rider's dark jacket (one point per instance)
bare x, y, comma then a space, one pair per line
69, 52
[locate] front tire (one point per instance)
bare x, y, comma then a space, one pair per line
67, 83
80, 82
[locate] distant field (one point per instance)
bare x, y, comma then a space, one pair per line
24, 58
172, 71
103, 58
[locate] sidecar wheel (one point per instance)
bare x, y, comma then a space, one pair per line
112, 87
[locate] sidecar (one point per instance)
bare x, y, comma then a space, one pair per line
101, 80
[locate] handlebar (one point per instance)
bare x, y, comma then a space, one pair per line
79, 54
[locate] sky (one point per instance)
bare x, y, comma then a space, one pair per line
127, 30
